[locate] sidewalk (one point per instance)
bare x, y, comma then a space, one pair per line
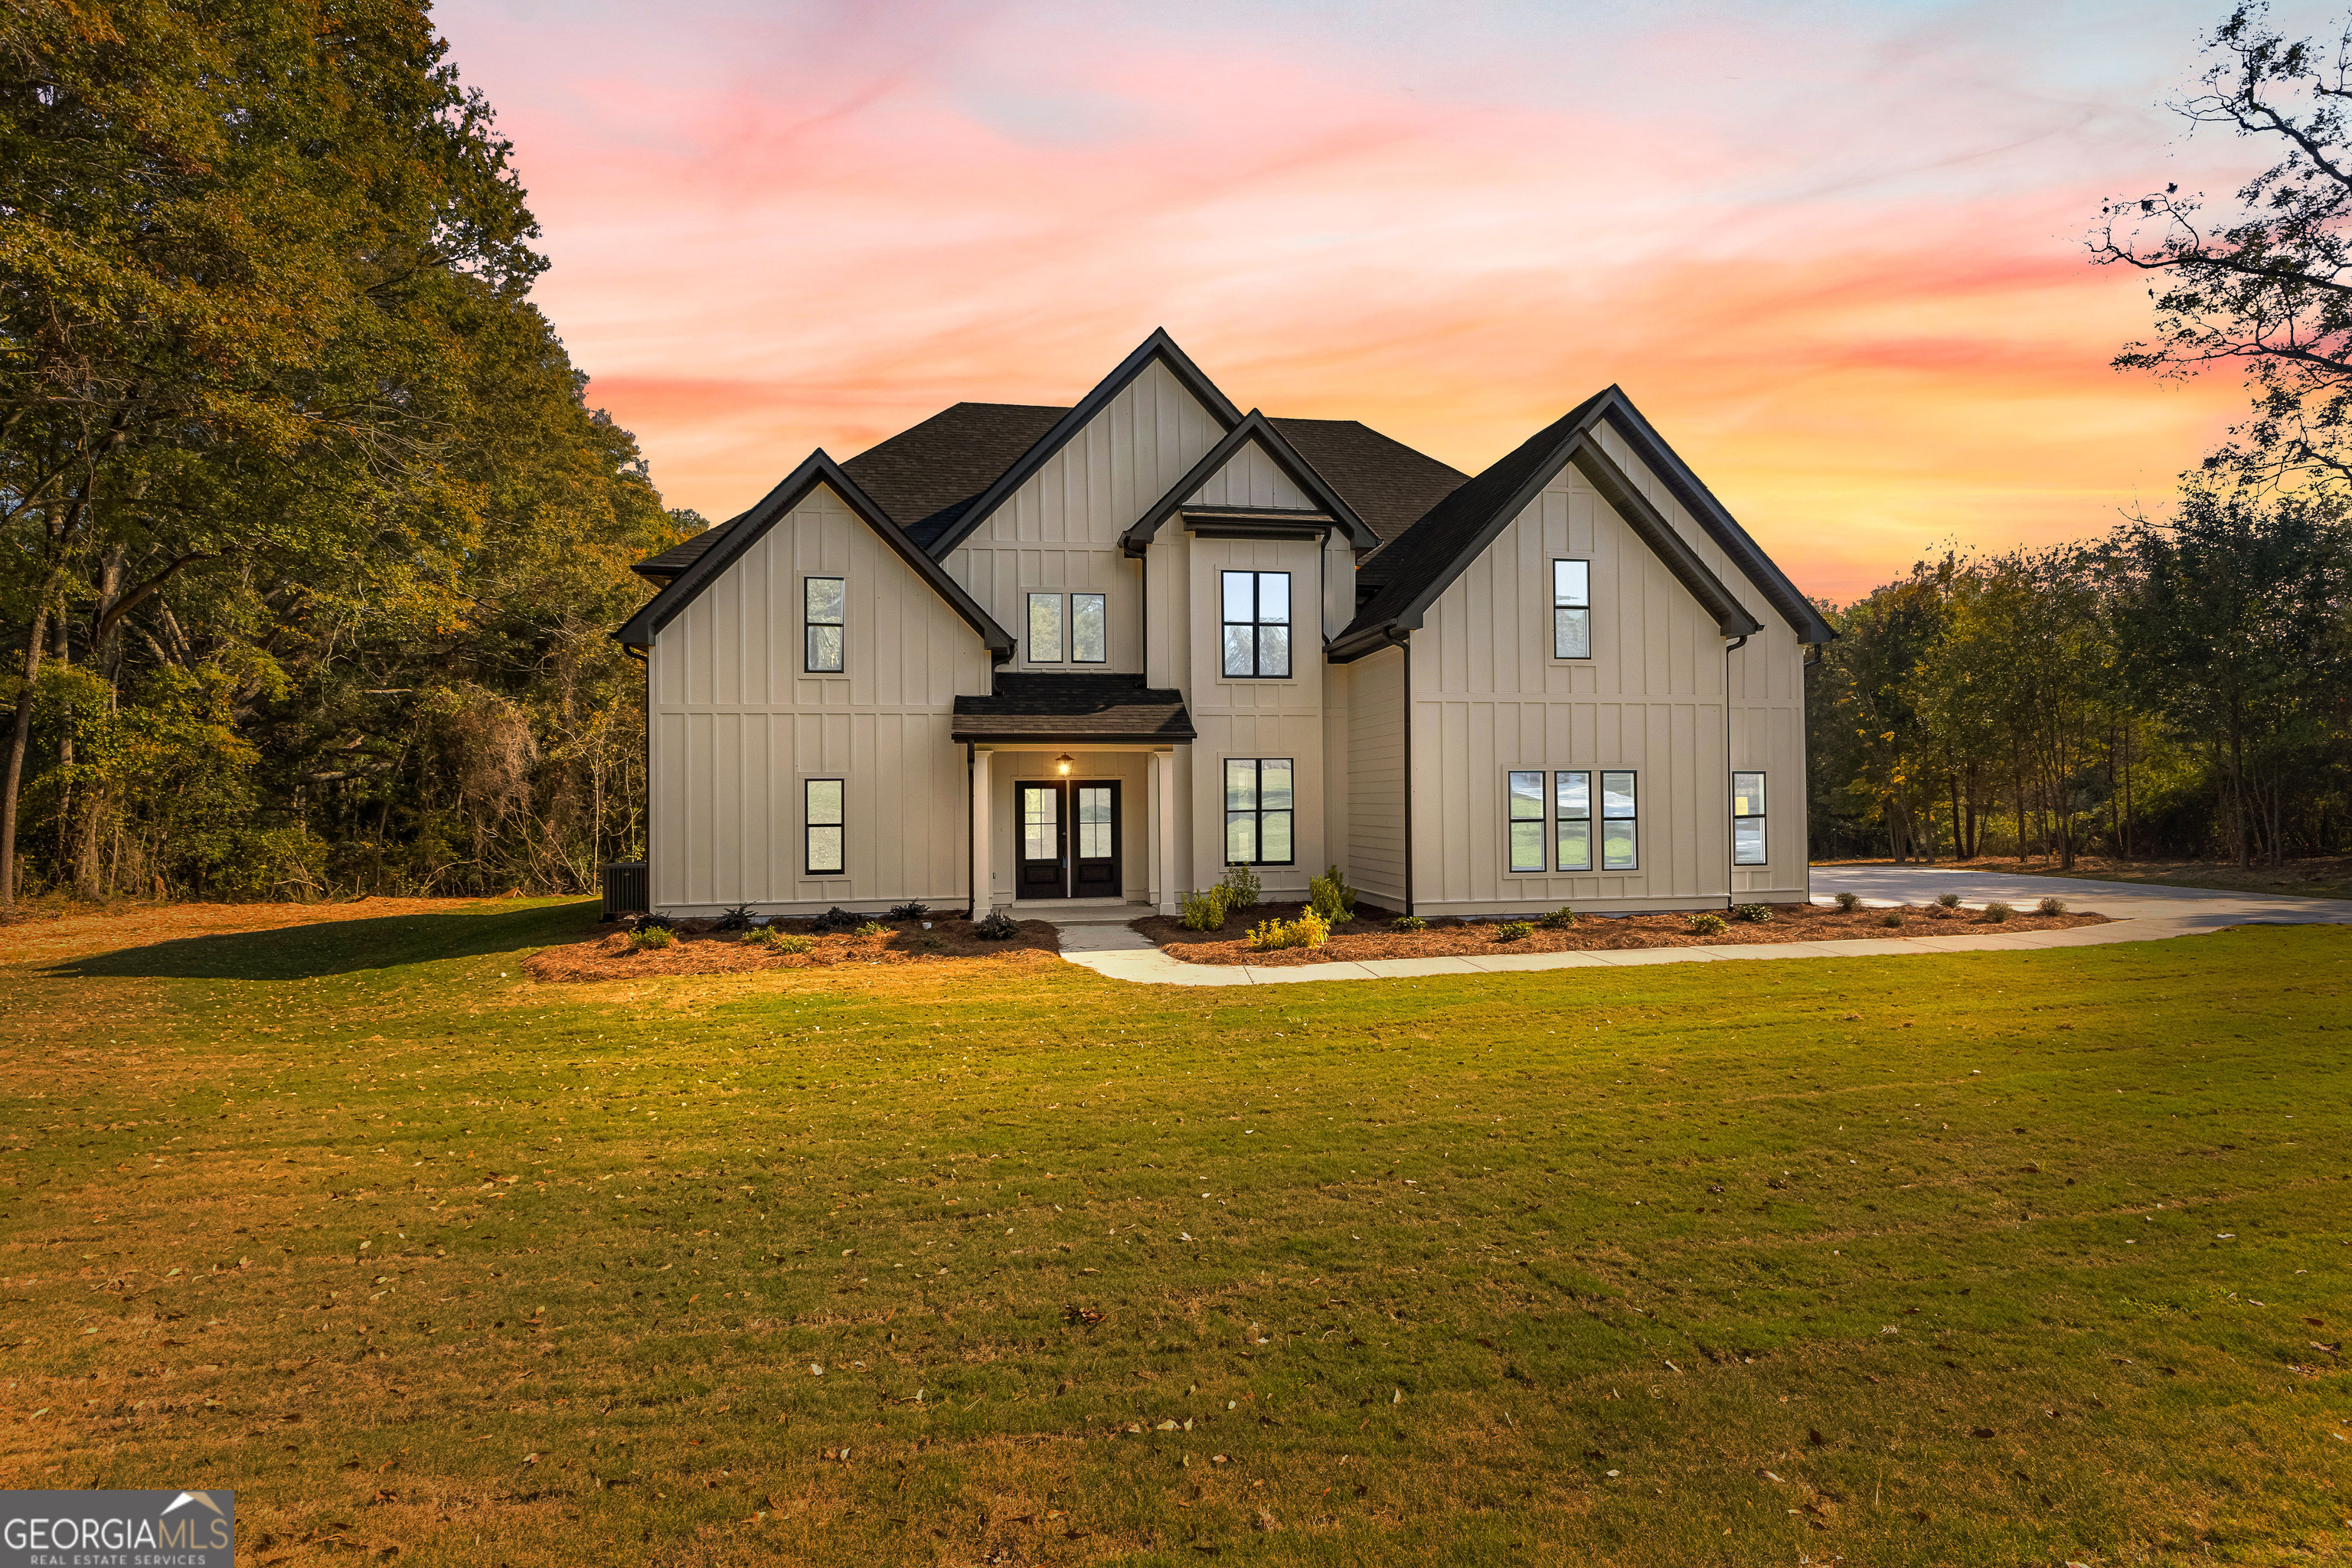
2139, 914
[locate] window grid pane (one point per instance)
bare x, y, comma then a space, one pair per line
1572, 809
1259, 796
1748, 819
1087, 635
1571, 614
1748, 795
823, 600
1045, 628
1257, 610
822, 822
1617, 826
1093, 823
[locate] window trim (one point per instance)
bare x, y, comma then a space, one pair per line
1257, 625
1103, 600
1060, 602
1260, 811
1562, 600
809, 824
1763, 836
809, 628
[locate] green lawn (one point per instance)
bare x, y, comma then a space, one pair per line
1987, 1258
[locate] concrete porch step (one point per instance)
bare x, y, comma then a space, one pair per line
1078, 912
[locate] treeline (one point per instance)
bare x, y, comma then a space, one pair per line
309, 545
2181, 689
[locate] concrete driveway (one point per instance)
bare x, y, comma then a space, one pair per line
2180, 909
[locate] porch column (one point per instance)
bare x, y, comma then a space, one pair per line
983, 854
1163, 831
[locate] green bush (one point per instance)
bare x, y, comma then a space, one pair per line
1559, 919
1329, 896
997, 926
653, 937
1707, 924
1849, 902
790, 942
1240, 889
1754, 914
1309, 930
1514, 931
1947, 900
870, 927
1997, 912
2050, 907
1203, 911
1408, 922
1891, 918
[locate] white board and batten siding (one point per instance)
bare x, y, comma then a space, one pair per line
1059, 529
1488, 697
737, 724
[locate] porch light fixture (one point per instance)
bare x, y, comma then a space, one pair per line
1062, 763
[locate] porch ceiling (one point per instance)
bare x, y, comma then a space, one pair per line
1073, 709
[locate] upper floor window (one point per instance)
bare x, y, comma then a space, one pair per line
1748, 819
1571, 609
1045, 628
1256, 623
1084, 624
826, 597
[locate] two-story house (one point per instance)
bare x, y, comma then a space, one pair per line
1041, 658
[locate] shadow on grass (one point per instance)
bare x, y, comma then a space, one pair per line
343, 947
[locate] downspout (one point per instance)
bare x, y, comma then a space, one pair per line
1403, 642
1731, 845
970, 848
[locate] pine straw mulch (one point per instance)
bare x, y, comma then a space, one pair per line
702, 951
1369, 936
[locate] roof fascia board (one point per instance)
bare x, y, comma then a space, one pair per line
1256, 427
1159, 346
1720, 525
819, 469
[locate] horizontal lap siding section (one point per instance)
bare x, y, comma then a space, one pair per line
1375, 776
1487, 697
737, 725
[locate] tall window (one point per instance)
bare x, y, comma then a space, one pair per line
1571, 609
826, 597
1748, 819
1257, 623
1618, 818
1258, 804
821, 821
1572, 820
1526, 822
1088, 640
1045, 628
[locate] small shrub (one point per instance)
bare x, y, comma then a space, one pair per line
1849, 902
1408, 922
1997, 912
1241, 887
1514, 931
1947, 900
1559, 919
1203, 911
869, 927
1754, 914
2050, 907
1707, 924
761, 938
838, 918
653, 922
651, 937
1891, 918
1309, 930
998, 927
790, 942
909, 911
737, 919
1329, 896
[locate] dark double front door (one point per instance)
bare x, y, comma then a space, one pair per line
1068, 831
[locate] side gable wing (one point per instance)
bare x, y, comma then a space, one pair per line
746, 530
1255, 428
1157, 348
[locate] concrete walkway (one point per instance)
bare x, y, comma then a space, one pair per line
2139, 914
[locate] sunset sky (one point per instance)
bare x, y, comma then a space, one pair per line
1833, 251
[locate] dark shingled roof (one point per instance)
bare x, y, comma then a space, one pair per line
1388, 483
923, 478
1058, 708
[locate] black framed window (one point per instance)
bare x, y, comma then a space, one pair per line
820, 822
1527, 806
1748, 819
1620, 815
1089, 641
1571, 811
1045, 628
1571, 609
1256, 623
825, 600
1259, 803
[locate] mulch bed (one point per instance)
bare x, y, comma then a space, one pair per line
701, 951
1369, 936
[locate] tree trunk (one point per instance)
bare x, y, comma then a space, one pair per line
19, 737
